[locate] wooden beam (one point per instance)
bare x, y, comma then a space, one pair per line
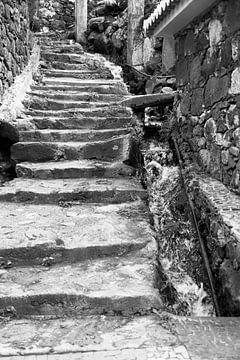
143, 101
135, 36
81, 15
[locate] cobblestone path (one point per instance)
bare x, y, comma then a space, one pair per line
78, 258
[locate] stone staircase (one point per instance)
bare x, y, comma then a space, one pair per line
76, 245
79, 277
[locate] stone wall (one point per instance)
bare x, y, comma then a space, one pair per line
14, 41
208, 76
56, 14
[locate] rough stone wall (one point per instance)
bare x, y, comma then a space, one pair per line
14, 41
208, 75
56, 14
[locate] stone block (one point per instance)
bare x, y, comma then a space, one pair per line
204, 157
209, 64
202, 143
197, 101
231, 18
230, 279
235, 182
225, 157
216, 90
236, 137
182, 72
210, 129
195, 71
235, 82
185, 104
198, 130
234, 151
214, 167
189, 43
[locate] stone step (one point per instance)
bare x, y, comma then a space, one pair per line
75, 122
107, 150
62, 47
73, 66
105, 191
74, 170
104, 111
76, 135
79, 74
120, 285
73, 82
90, 338
32, 233
112, 89
35, 102
72, 58
75, 96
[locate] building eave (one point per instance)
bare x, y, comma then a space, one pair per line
171, 16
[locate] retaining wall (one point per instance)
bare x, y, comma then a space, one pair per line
208, 77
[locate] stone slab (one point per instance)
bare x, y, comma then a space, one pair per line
116, 285
31, 233
143, 101
81, 82
115, 148
70, 94
74, 121
209, 338
49, 135
74, 169
83, 87
41, 104
72, 190
161, 353
103, 335
84, 112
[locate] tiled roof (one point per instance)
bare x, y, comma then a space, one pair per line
170, 16
162, 8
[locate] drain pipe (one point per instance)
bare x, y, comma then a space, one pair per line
195, 223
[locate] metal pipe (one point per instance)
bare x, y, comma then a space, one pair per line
195, 223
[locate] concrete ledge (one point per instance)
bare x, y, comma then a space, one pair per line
12, 107
218, 212
142, 101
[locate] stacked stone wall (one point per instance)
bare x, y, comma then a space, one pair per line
14, 41
56, 14
208, 76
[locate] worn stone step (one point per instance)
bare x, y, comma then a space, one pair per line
32, 233
62, 47
35, 102
103, 111
89, 337
70, 95
76, 89
73, 66
116, 148
62, 191
74, 169
79, 74
120, 285
75, 122
73, 82
76, 135
72, 58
